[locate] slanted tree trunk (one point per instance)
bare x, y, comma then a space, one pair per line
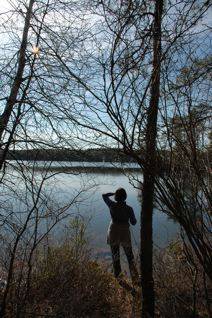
148, 299
12, 98
4, 119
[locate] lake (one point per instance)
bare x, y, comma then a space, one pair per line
63, 186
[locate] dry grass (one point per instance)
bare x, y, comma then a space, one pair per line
179, 285
67, 283
66, 287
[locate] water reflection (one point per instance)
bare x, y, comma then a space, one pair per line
63, 186
96, 213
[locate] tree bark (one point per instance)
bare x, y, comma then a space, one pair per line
147, 281
12, 98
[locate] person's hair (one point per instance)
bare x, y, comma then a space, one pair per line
120, 195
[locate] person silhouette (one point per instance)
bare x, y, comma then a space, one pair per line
119, 231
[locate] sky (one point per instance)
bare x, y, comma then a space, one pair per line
6, 5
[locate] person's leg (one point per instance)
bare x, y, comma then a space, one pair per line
130, 257
116, 259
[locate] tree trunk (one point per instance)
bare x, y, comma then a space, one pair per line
148, 299
12, 98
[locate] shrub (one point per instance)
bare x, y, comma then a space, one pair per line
64, 286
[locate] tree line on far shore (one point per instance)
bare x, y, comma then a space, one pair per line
114, 155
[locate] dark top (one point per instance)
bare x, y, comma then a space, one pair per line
121, 213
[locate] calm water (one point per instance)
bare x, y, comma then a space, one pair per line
96, 213
63, 187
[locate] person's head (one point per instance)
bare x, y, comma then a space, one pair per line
120, 195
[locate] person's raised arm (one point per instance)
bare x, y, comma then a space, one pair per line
106, 198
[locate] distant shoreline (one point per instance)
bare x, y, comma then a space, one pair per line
82, 169
70, 155
68, 166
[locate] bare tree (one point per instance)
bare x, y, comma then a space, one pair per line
25, 124
149, 171
116, 82
184, 190
96, 80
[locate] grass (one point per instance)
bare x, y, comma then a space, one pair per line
67, 283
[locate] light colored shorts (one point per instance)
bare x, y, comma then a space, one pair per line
119, 234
